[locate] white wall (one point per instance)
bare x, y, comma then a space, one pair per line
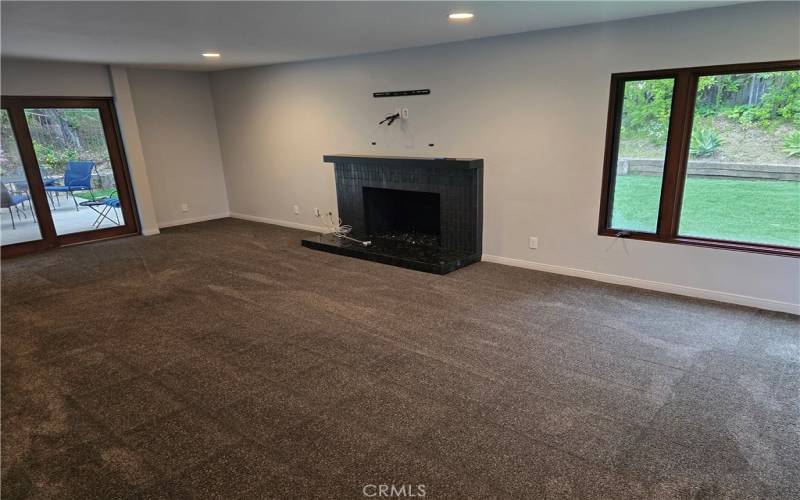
181, 147
57, 79
534, 107
134, 153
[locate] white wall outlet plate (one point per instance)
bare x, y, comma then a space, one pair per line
404, 114
184, 207
296, 209
533, 242
316, 212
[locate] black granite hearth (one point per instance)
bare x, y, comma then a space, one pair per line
420, 213
397, 253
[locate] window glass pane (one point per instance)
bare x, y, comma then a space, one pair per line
17, 216
644, 127
743, 175
70, 146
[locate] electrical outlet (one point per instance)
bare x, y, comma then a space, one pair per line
316, 212
404, 114
533, 242
184, 207
297, 209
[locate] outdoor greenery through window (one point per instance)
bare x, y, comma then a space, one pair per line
17, 206
722, 148
71, 149
643, 135
746, 129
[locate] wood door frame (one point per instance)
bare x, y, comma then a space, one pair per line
16, 105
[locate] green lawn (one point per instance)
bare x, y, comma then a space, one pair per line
762, 211
98, 193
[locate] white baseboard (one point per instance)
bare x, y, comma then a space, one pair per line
700, 293
192, 220
284, 223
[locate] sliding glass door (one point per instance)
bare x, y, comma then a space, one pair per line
64, 177
18, 219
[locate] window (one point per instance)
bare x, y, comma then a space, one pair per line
644, 123
14, 191
70, 144
705, 156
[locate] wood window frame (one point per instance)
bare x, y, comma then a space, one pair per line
677, 155
16, 105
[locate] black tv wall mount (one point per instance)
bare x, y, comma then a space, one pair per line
398, 93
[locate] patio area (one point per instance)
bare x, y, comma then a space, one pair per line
65, 217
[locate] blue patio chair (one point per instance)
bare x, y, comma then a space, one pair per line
9, 200
77, 177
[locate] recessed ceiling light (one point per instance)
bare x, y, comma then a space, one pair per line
211, 55
461, 16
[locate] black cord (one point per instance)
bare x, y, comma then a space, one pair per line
390, 119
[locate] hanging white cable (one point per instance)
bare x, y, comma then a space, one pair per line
343, 230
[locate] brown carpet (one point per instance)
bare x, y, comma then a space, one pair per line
223, 360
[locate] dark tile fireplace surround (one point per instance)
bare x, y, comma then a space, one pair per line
420, 213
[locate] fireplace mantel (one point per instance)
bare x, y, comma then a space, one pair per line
405, 161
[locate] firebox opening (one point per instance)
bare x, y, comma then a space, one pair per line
408, 216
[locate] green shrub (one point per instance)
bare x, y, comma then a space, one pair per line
791, 143
705, 142
646, 109
764, 99
54, 158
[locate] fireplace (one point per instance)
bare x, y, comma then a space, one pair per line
420, 213
399, 215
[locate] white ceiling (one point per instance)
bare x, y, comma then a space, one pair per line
174, 34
